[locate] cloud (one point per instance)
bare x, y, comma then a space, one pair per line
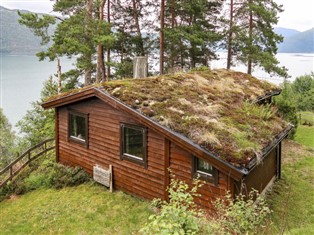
39, 6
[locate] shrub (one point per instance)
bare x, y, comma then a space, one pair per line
287, 108
240, 216
44, 174
179, 215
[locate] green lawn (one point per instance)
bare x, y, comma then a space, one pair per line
86, 209
292, 198
305, 135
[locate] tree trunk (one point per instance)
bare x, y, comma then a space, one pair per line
230, 34
250, 44
59, 76
88, 19
172, 53
108, 49
100, 74
162, 23
138, 30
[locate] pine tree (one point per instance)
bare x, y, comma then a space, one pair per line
191, 32
79, 31
132, 25
251, 38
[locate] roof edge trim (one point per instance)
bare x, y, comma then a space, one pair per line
254, 162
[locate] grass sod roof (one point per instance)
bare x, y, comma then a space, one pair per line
215, 109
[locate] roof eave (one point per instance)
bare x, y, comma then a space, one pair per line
254, 162
268, 95
70, 98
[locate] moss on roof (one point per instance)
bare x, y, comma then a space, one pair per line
212, 108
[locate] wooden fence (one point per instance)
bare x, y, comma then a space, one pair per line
11, 170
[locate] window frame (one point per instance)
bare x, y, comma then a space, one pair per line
211, 178
73, 138
129, 157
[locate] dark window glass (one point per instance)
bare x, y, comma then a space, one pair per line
78, 127
133, 142
203, 167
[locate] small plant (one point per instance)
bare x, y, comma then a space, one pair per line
264, 112
179, 215
240, 216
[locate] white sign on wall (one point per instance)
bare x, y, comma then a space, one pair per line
103, 176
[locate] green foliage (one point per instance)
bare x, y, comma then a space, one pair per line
243, 215
77, 34
7, 141
45, 173
264, 112
303, 89
296, 96
39, 24
252, 40
191, 33
287, 107
179, 215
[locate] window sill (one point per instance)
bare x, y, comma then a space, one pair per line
78, 141
206, 177
134, 159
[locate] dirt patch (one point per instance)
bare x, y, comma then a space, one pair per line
292, 152
13, 197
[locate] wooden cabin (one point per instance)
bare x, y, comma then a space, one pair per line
212, 124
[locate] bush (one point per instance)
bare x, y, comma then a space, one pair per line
287, 108
243, 215
179, 215
44, 174
54, 175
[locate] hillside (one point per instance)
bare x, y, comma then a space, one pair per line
286, 32
16, 39
298, 43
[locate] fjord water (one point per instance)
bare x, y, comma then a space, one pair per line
22, 77
21, 80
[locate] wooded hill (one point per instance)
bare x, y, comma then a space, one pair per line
16, 39
301, 42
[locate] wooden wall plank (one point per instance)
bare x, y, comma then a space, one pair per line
104, 149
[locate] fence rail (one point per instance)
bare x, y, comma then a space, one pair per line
11, 170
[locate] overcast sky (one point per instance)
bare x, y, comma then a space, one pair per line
298, 14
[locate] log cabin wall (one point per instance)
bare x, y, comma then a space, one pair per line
104, 149
261, 175
181, 168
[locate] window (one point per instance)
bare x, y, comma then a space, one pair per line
134, 144
204, 170
78, 127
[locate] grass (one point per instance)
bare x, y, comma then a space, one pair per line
292, 198
85, 209
305, 135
